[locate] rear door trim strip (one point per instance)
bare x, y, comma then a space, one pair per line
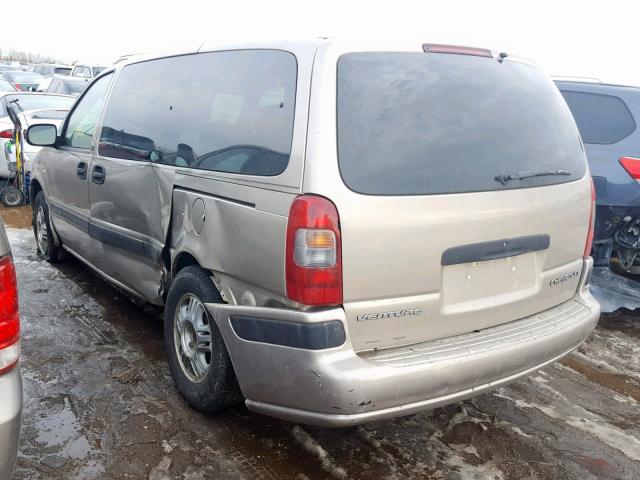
107, 235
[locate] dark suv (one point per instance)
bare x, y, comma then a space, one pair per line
607, 117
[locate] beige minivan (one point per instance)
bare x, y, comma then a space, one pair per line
339, 232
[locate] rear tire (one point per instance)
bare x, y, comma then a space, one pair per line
198, 358
45, 244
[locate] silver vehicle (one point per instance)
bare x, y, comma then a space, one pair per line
65, 85
47, 70
25, 101
10, 380
86, 71
339, 232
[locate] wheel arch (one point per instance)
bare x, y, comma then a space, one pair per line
182, 260
34, 188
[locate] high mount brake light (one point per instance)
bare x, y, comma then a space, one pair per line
314, 252
9, 317
456, 49
592, 222
632, 166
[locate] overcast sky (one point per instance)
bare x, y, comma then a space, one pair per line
585, 38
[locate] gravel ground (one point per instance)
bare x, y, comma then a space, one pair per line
100, 404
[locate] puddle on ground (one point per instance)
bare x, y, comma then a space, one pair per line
18, 217
58, 426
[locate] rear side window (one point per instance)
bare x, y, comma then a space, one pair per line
223, 111
429, 123
603, 119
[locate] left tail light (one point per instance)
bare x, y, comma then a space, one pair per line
314, 252
592, 222
9, 316
6, 134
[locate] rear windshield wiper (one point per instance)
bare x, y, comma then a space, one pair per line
507, 177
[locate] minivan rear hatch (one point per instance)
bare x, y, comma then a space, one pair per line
468, 199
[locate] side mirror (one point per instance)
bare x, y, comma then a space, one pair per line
42, 135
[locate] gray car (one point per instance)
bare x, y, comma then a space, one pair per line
10, 380
48, 70
338, 232
607, 116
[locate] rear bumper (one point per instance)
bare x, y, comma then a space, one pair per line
10, 419
336, 387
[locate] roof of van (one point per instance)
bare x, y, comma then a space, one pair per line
592, 82
375, 44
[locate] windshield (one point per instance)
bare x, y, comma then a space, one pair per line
36, 102
6, 86
63, 70
429, 123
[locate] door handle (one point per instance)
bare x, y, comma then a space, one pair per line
98, 174
81, 170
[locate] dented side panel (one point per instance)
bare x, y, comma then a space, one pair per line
242, 245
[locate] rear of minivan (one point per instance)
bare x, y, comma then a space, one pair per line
440, 245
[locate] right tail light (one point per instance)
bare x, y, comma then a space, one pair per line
592, 222
9, 316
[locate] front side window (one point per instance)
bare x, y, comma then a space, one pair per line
83, 120
224, 111
601, 119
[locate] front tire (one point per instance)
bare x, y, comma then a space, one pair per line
45, 244
198, 358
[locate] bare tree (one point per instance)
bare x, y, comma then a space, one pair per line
13, 55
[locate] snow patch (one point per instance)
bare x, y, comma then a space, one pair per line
311, 446
485, 471
585, 421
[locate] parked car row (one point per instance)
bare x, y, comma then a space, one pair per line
66, 79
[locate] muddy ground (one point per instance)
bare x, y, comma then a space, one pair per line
100, 404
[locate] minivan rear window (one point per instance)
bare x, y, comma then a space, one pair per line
429, 123
601, 119
228, 111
